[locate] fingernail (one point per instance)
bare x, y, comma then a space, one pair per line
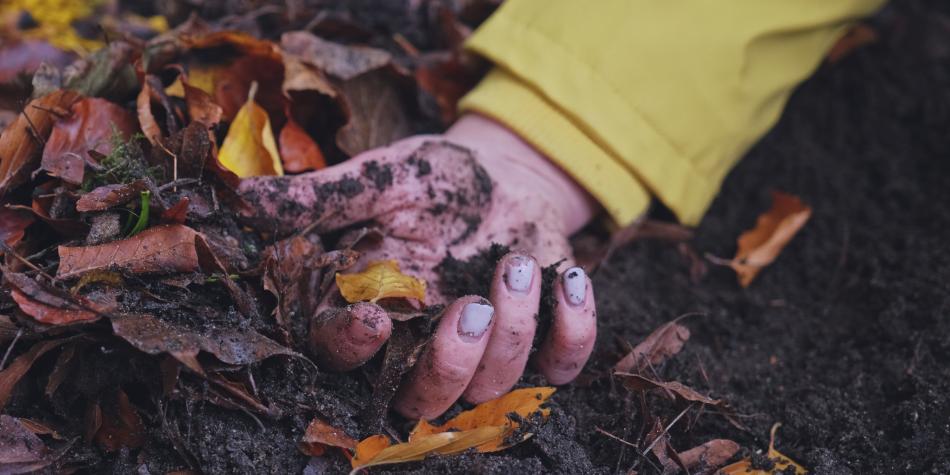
520, 272
575, 285
475, 319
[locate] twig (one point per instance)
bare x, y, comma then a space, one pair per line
8, 250
180, 181
667, 429
6, 355
33, 130
174, 163
618, 439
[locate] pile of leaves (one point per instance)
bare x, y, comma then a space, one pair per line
138, 313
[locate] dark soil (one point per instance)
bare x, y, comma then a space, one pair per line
845, 339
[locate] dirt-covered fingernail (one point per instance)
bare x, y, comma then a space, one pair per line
475, 319
519, 273
575, 285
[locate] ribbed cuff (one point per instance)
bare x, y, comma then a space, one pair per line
509, 101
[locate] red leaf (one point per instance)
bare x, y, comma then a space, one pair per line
298, 150
320, 434
12, 374
161, 249
19, 148
109, 196
121, 425
90, 125
13, 224
663, 343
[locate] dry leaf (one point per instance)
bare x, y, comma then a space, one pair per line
160, 249
12, 374
320, 434
21, 451
663, 343
780, 461
376, 114
299, 151
19, 148
675, 388
760, 246
49, 306
340, 61
235, 346
486, 428
249, 148
380, 280
13, 224
121, 425
110, 196
709, 455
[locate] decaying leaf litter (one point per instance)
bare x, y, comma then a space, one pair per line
115, 190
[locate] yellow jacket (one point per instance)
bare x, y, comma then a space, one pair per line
635, 98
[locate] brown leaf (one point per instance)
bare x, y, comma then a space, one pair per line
380, 279
237, 346
63, 367
40, 428
21, 451
178, 212
300, 76
201, 106
656, 348
19, 149
143, 108
292, 270
340, 61
675, 388
90, 125
760, 246
320, 434
708, 456
12, 374
110, 196
160, 249
376, 113
48, 305
13, 224
445, 77
298, 150
121, 425
780, 463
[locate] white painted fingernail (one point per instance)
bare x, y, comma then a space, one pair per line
519, 273
475, 319
575, 285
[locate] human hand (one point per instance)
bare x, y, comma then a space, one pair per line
455, 194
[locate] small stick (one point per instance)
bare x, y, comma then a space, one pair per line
6, 249
174, 163
33, 130
6, 355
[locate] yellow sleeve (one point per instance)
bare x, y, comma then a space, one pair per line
641, 97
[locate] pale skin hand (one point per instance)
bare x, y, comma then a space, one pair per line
456, 193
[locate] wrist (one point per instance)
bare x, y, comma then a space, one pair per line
506, 149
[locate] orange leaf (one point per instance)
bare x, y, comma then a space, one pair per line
780, 461
487, 428
249, 148
760, 246
159, 249
380, 279
320, 434
299, 151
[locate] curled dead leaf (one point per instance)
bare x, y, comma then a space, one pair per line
21, 450
13, 224
109, 196
663, 343
121, 425
320, 434
297, 148
49, 305
380, 279
761, 245
249, 148
21, 364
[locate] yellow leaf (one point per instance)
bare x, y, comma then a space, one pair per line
55, 20
781, 463
758, 247
522, 402
249, 148
487, 428
380, 279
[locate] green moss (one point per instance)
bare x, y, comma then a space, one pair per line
125, 164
